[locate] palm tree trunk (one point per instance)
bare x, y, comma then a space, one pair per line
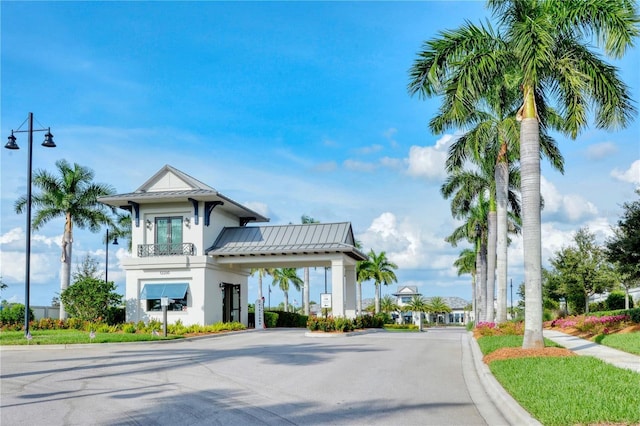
491, 265
531, 231
286, 301
502, 185
359, 297
377, 298
480, 287
259, 285
305, 298
65, 268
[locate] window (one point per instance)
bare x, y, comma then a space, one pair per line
169, 235
177, 294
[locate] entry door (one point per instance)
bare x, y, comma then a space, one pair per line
231, 303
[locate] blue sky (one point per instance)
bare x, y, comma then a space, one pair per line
289, 108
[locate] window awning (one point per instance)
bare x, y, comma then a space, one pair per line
156, 291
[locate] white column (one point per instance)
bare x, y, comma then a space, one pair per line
350, 291
337, 288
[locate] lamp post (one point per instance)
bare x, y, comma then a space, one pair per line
11, 144
106, 263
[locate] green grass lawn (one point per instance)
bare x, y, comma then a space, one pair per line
64, 337
628, 342
489, 344
571, 390
576, 390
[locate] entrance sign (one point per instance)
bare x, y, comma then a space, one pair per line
260, 325
325, 300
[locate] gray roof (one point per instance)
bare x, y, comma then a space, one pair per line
199, 191
286, 240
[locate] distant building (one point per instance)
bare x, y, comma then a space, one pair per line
458, 315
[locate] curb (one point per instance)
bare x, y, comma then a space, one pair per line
504, 402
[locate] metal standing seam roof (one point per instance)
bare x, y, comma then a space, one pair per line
286, 239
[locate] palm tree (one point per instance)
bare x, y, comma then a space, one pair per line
282, 277
72, 195
379, 269
417, 306
262, 272
466, 264
305, 299
547, 46
474, 230
437, 305
388, 304
492, 144
361, 275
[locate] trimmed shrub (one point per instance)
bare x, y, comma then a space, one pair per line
270, 319
290, 319
14, 314
115, 315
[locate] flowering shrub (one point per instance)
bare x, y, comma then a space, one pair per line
502, 329
592, 324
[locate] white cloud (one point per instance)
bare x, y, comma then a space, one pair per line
369, 149
15, 234
390, 135
358, 166
571, 207
429, 161
328, 166
406, 244
631, 175
392, 163
599, 151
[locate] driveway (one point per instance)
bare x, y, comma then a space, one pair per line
270, 377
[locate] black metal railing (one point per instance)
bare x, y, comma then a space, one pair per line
152, 250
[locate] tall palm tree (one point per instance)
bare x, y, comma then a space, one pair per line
361, 276
71, 194
262, 272
466, 264
547, 46
305, 298
282, 277
379, 269
474, 230
417, 306
492, 143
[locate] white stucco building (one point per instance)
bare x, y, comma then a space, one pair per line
192, 244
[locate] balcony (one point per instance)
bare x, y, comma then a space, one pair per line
154, 250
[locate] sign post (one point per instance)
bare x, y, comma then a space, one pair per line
260, 325
325, 302
164, 302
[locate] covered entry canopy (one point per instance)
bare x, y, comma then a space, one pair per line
296, 246
313, 244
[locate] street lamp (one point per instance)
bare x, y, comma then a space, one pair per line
106, 263
11, 144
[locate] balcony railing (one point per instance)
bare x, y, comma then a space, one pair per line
152, 250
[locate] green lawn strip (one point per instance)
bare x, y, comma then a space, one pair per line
628, 342
571, 390
489, 344
65, 337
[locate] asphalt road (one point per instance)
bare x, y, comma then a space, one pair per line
271, 377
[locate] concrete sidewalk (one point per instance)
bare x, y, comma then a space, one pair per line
585, 347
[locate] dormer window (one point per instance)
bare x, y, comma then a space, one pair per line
168, 235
